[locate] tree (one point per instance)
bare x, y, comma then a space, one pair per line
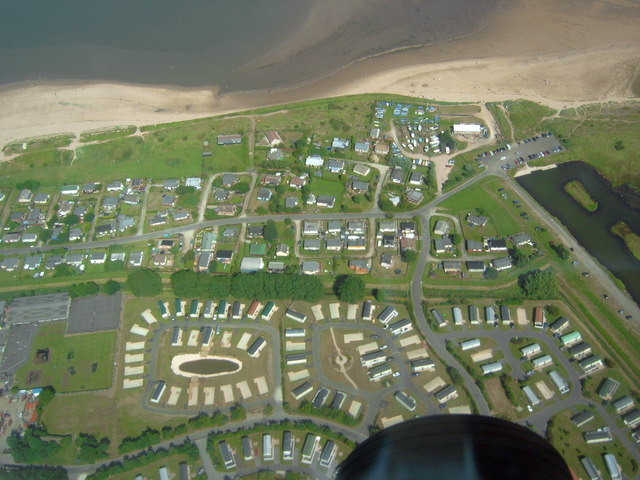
144, 283
242, 187
409, 256
47, 394
212, 266
270, 232
28, 185
89, 217
91, 449
71, 219
349, 288
618, 145
182, 189
560, 250
189, 258
552, 310
382, 295
490, 273
539, 284
111, 287
83, 289
520, 259
44, 236
63, 270
456, 238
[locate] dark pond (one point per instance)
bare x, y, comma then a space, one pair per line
592, 230
209, 366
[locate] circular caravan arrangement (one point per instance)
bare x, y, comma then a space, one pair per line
194, 365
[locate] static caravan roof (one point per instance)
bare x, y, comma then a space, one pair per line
473, 314
531, 396
438, 316
582, 418
247, 451
297, 316
470, 344
227, 457
590, 468
490, 368
287, 445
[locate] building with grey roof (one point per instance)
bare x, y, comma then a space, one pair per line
40, 308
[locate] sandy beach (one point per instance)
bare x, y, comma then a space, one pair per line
561, 54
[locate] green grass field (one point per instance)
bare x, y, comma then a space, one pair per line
526, 116
76, 363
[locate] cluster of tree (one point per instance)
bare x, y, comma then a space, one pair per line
459, 176
507, 385
447, 140
46, 396
188, 258
146, 439
270, 232
30, 448
560, 250
32, 472
349, 288
144, 458
144, 283
455, 376
182, 189
28, 185
90, 449
539, 284
491, 273
260, 286
83, 289
336, 414
63, 270
520, 257
409, 256
238, 413
111, 286
216, 419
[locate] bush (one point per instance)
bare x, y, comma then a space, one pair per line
111, 287
539, 284
349, 288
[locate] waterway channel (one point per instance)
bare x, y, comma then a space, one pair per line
592, 230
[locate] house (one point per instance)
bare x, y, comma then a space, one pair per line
339, 143
312, 244
297, 182
441, 227
233, 139
25, 196
275, 154
221, 195
116, 257
160, 260
311, 200
408, 229
70, 190
311, 267
310, 228
335, 166
400, 327
74, 259
29, 237
388, 241
477, 220
157, 221
282, 250
381, 148
35, 217
75, 234
125, 222
503, 263
407, 244
171, 184
224, 256
397, 175
17, 217
466, 129
358, 186
135, 259
276, 267
97, 258
451, 266
358, 244
41, 198
89, 188
106, 229
273, 138
229, 180
204, 260
132, 199
362, 147
181, 216
9, 264
64, 208
32, 262
137, 184
195, 182
443, 245
291, 202
80, 211
374, 132
357, 227
255, 231
521, 239
115, 186
475, 266
226, 209
325, 201
415, 178
474, 246
271, 179
333, 244
360, 267
386, 260
11, 237
251, 264
314, 161
497, 245
387, 226
361, 169
334, 227
109, 204
52, 261
168, 200
264, 195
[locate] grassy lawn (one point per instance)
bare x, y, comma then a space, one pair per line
579, 193
631, 240
44, 142
501, 121
107, 133
526, 116
323, 186
79, 362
